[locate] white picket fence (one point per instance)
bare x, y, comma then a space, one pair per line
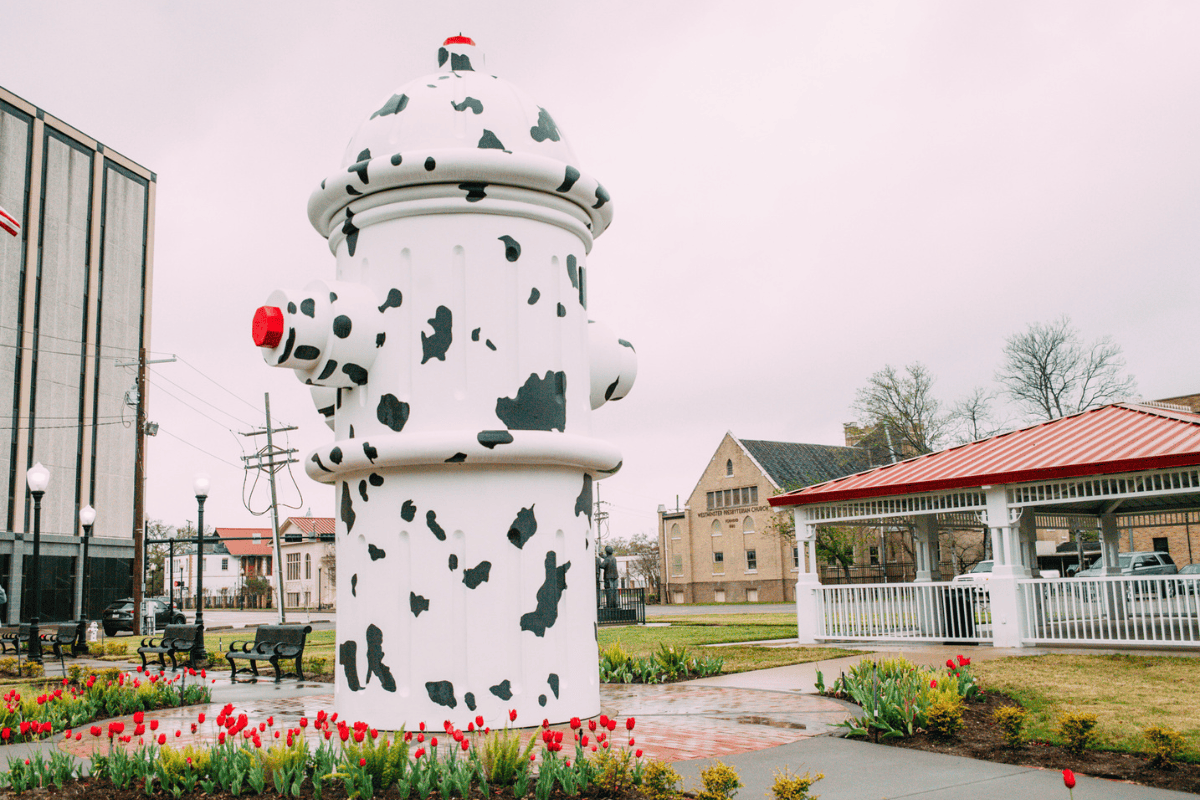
917, 612
1160, 610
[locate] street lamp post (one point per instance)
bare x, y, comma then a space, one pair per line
87, 517
201, 487
37, 478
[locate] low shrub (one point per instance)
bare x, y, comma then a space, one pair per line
1164, 744
1011, 720
944, 716
790, 786
1078, 731
316, 665
721, 782
660, 781
666, 664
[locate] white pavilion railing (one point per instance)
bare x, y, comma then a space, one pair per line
917, 612
1160, 610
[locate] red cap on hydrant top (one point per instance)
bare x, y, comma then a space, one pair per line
460, 39
268, 326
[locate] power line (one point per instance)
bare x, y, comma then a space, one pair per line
201, 449
43, 335
219, 385
62, 427
158, 375
180, 400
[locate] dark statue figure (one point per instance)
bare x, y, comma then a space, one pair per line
608, 568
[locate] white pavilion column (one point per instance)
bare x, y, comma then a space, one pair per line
1028, 538
1004, 592
1110, 544
808, 581
925, 532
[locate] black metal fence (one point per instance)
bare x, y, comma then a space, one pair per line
620, 606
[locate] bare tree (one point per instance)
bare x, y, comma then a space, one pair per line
1050, 373
645, 566
835, 544
329, 564
901, 410
973, 418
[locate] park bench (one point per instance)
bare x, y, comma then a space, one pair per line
271, 643
176, 639
54, 635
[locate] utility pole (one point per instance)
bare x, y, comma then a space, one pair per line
139, 479
270, 460
601, 518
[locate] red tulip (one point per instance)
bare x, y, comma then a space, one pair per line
200, 718
479, 722
638, 754
138, 717
949, 664
629, 724
362, 762
575, 723
512, 715
433, 741
153, 724
1069, 779
933, 684
94, 730
162, 739
304, 722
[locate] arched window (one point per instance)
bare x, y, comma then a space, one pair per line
729, 468
748, 525
307, 567
675, 531
716, 527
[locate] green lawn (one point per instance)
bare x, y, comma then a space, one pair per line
1126, 693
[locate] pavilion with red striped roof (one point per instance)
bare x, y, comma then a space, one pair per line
1138, 458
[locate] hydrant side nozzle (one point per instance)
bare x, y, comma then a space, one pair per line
267, 327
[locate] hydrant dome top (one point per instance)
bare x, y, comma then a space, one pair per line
461, 126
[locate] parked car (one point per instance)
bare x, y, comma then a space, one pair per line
979, 575
119, 615
1189, 586
1141, 563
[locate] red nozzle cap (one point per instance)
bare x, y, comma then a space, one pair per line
460, 39
268, 326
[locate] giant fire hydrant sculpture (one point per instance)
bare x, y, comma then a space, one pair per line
455, 362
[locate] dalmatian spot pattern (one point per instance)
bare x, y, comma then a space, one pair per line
417, 603
624, 343
362, 490
441, 692
291, 307
342, 326
512, 248
394, 299
469, 699
380, 338
375, 552
354, 585
408, 511
490, 345
569, 177
490, 439
333, 297
523, 527
375, 665
452, 562
601, 196
375, 478
396, 159
392, 412
583, 503
396, 104
534, 296
351, 431
350, 230
287, 346
335, 455
475, 335
612, 387
308, 307
432, 523
476, 190
540, 404
457, 458
430, 165
552, 679
357, 374
348, 658
489, 141
614, 470
360, 166
562, 310
370, 452
548, 596
470, 103
436, 344
541, 699
477, 574
306, 352
545, 128
348, 514
573, 271
460, 62
350, 190
316, 459
329, 368
443, 54
503, 689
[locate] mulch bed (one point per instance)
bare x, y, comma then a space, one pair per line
335, 790
983, 739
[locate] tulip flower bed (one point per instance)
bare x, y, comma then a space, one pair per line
330, 758
108, 693
903, 707
664, 665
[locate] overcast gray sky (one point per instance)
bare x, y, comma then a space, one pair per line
803, 193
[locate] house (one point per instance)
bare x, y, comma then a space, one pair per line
308, 551
252, 558
723, 545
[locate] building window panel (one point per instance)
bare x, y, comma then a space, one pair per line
307, 567
796, 557
752, 561
675, 532
293, 567
224, 564
729, 468
748, 525
677, 565
716, 527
